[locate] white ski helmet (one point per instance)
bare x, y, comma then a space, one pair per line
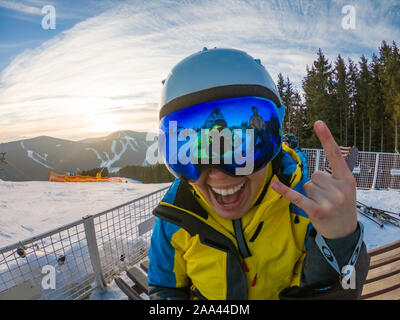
217, 74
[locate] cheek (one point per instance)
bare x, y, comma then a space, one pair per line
202, 188
257, 179
256, 182
201, 183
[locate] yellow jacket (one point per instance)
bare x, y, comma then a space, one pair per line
255, 257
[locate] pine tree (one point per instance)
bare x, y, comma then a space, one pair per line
281, 85
341, 98
376, 111
352, 91
299, 118
363, 96
389, 73
317, 87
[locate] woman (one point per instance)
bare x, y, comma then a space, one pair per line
240, 225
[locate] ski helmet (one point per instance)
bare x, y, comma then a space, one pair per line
217, 74
219, 89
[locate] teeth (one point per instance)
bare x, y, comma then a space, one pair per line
225, 192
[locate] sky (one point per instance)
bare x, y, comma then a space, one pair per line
100, 69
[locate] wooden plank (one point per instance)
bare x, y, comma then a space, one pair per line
383, 279
384, 248
127, 289
384, 271
390, 295
385, 258
379, 287
139, 278
145, 265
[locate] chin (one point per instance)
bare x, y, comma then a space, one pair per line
229, 215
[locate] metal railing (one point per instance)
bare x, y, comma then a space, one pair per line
84, 254
372, 171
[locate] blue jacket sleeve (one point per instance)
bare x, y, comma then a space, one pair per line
161, 275
161, 255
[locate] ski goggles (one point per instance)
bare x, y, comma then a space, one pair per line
238, 136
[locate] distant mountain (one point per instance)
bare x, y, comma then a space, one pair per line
33, 159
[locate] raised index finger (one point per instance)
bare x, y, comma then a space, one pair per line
332, 151
308, 205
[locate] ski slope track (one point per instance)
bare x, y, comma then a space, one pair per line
34, 155
108, 162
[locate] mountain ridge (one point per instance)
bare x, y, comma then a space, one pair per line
32, 159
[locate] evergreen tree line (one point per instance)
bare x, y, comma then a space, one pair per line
360, 102
94, 171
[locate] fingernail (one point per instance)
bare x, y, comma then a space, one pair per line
319, 124
275, 185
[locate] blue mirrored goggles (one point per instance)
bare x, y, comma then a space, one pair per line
238, 136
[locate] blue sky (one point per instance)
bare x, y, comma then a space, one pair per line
100, 70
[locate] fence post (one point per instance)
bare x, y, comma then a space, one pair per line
317, 160
375, 171
88, 223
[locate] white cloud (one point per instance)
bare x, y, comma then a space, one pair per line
20, 7
118, 59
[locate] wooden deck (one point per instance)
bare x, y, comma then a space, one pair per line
139, 278
383, 280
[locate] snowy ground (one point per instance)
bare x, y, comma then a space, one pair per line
31, 208
388, 200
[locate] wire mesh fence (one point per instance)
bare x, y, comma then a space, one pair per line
122, 237
372, 170
388, 173
82, 255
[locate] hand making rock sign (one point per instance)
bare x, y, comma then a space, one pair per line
331, 201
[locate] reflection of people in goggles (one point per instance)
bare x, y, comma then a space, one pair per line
256, 121
225, 140
231, 226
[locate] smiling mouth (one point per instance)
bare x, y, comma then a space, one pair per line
228, 199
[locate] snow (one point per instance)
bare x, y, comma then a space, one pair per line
31, 208
389, 200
